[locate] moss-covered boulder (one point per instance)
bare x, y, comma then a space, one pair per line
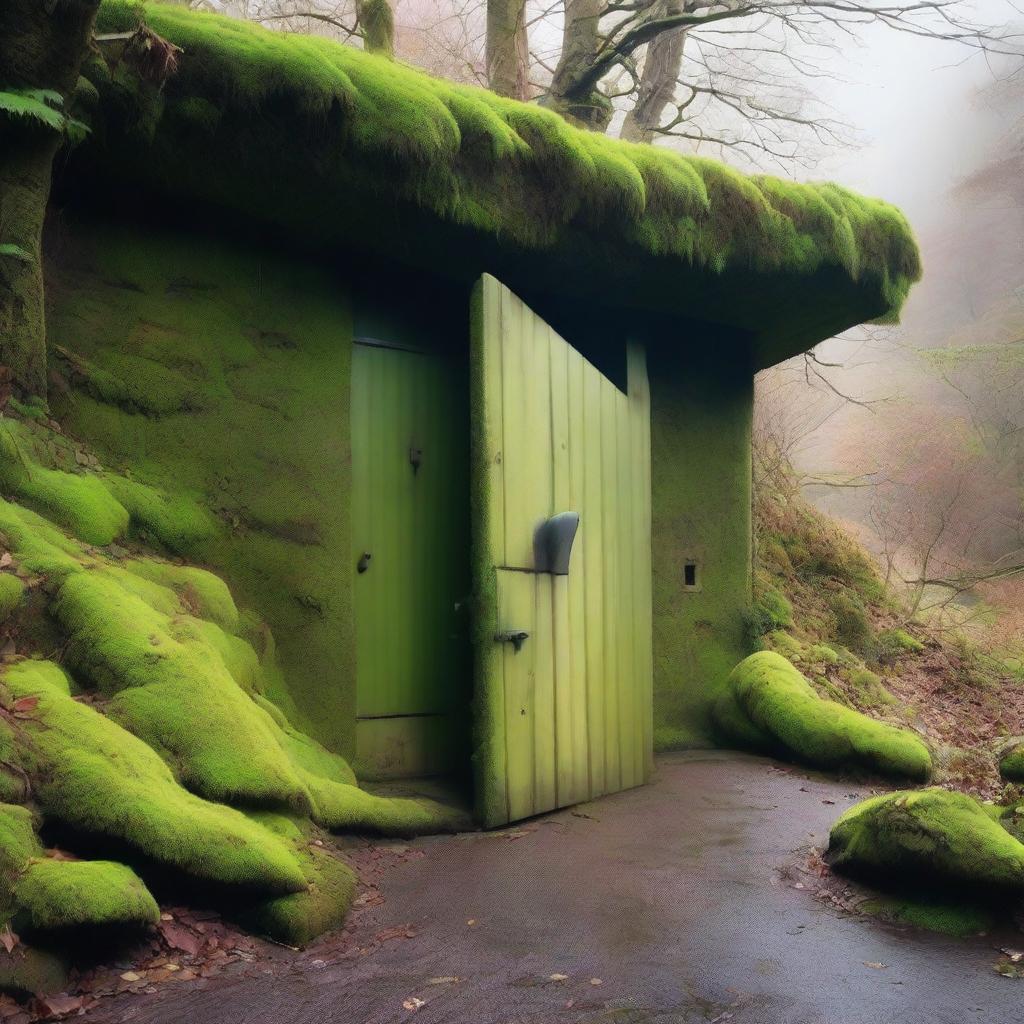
44, 893
1011, 760
769, 707
928, 835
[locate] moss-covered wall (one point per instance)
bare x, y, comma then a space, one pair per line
701, 511
219, 373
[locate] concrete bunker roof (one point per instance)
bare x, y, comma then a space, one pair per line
341, 149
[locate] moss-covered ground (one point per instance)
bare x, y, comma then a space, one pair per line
151, 744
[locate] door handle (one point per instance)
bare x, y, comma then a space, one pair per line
364, 562
515, 637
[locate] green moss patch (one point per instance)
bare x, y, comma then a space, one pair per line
30, 971
932, 912
1011, 762
299, 918
769, 706
930, 834
42, 893
78, 501
11, 592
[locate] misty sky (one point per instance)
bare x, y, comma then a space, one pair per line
916, 112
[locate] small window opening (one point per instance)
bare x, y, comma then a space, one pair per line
690, 575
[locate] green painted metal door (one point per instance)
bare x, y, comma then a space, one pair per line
566, 717
410, 539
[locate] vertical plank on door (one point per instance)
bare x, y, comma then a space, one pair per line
558, 353
576, 582
487, 431
517, 603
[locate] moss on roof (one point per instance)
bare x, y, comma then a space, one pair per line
249, 105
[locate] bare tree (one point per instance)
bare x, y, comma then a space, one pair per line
507, 48
734, 74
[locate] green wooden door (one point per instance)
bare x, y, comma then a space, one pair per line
410, 537
567, 717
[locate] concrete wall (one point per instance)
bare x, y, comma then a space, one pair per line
701, 408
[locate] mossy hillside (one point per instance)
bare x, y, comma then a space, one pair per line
248, 475
927, 835
196, 694
94, 777
78, 501
844, 634
158, 669
366, 127
770, 706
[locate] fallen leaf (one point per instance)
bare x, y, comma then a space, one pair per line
413, 1003
596, 981
130, 976
24, 704
58, 1006
180, 937
6, 560
875, 966
401, 931
443, 981
558, 977
1015, 955
471, 922
8, 939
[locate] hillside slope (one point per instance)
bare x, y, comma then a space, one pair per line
820, 602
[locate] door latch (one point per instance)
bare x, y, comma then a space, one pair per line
514, 637
364, 562
415, 459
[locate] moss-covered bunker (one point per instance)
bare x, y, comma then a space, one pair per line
290, 196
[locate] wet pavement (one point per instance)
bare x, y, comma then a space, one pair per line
680, 898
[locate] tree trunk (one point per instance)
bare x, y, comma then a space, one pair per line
377, 21
42, 45
657, 83
579, 48
507, 49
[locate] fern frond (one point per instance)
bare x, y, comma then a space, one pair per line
40, 105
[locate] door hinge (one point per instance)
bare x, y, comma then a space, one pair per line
514, 637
